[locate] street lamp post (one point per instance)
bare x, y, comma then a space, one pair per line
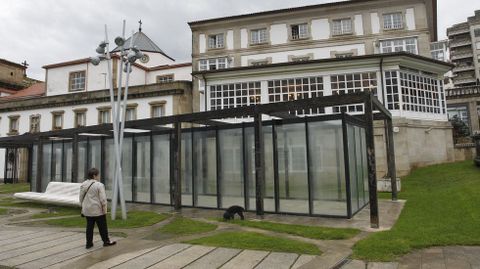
127, 57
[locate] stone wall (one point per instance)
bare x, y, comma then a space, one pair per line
464, 152
417, 143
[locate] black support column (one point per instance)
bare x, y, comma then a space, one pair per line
259, 163
372, 177
392, 171
39, 166
177, 167
75, 158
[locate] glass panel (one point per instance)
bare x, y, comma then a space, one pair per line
231, 156
82, 161
292, 168
109, 163
57, 162
142, 171
95, 149
363, 143
186, 163
269, 195
205, 169
161, 169
67, 156
359, 164
250, 163
127, 165
33, 179
352, 157
46, 165
327, 168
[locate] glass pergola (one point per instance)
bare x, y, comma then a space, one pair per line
317, 165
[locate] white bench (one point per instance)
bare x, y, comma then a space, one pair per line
59, 193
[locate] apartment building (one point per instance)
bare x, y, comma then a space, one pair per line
368, 45
463, 100
464, 42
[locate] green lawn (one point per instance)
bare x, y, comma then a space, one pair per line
186, 226
256, 241
57, 211
135, 219
3, 211
443, 208
50, 210
314, 232
12, 188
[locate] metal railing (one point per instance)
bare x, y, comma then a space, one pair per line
462, 91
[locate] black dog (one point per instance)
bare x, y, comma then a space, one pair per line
231, 211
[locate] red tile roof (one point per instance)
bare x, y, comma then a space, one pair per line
36, 90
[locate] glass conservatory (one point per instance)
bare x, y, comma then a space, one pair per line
308, 165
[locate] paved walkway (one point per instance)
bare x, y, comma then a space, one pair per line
451, 257
25, 243
33, 249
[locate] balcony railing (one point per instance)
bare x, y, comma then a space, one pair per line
463, 80
459, 43
457, 31
461, 55
463, 68
463, 91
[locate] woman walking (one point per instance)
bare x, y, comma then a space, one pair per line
94, 207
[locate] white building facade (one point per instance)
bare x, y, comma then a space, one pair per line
336, 48
76, 95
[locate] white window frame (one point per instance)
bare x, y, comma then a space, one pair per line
14, 124
35, 123
397, 45
258, 36
216, 63
77, 81
102, 116
393, 21
158, 111
80, 119
301, 32
216, 41
130, 113
342, 26
165, 78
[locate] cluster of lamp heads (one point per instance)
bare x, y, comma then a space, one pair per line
129, 56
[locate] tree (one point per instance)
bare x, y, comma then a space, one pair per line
460, 129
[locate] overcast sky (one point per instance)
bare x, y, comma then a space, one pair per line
51, 31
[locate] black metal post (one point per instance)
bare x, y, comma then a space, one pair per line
5, 173
194, 167
134, 168
346, 160
74, 158
63, 162
309, 173
39, 165
276, 182
152, 190
372, 177
259, 163
177, 168
219, 168
30, 161
245, 166
391, 157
